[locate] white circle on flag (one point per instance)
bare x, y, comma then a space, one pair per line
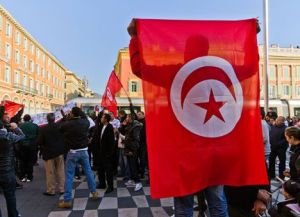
193, 117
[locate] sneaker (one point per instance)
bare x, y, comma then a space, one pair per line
95, 195
24, 180
64, 204
28, 180
130, 183
138, 186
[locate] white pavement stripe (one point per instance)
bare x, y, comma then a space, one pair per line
109, 203
158, 212
80, 203
90, 213
60, 214
128, 212
83, 185
165, 202
140, 201
123, 192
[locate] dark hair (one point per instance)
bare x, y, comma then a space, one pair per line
293, 189
76, 111
1, 125
123, 118
27, 117
50, 118
293, 131
262, 113
107, 117
141, 112
122, 112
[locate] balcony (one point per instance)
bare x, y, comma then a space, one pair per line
24, 89
50, 96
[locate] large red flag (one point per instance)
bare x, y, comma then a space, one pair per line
201, 93
108, 99
12, 108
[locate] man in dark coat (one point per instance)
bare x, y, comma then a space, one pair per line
52, 147
28, 152
279, 146
142, 155
105, 152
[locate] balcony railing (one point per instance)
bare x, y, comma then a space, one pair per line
25, 89
50, 96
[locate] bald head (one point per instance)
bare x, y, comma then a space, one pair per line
280, 120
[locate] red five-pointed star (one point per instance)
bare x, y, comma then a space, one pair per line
212, 107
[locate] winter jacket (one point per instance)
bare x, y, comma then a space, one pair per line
277, 138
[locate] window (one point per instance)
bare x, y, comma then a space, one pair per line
7, 51
31, 83
272, 74
37, 86
49, 62
32, 49
48, 76
47, 90
8, 30
25, 81
286, 72
134, 86
17, 57
297, 112
25, 44
17, 38
298, 90
42, 89
25, 62
17, 77
43, 57
272, 91
43, 72
7, 74
298, 72
38, 53
31, 66
286, 90
37, 69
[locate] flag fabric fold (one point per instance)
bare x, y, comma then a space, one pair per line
12, 108
108, 99
201, 94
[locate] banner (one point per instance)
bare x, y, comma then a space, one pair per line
201, 94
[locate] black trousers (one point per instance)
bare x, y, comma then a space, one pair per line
132, 162
143, 158
105, 171
27, 160
281, 154
238, 212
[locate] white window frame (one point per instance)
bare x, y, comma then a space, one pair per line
17, 56
7, 50
7, 74
17, 77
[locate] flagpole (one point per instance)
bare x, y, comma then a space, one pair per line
266, 54
123, 87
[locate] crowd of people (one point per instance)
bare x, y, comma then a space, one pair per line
77, 144
117, 147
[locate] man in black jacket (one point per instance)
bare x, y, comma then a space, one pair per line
75, 133
52, 148
143, 156
7, 169
105, 153
279, 146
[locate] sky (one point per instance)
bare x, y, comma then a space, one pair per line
85, 35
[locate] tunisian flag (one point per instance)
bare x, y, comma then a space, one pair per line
201, 93
108, 99
12, 108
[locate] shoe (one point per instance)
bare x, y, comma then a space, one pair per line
138, 186
48, 194
65, 204
95, 195
24, 180
109, 190
78, 177
130, 183
101, 186
28, 180
18, 186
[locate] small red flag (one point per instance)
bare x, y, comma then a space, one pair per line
108, 99
201, 93
12, 108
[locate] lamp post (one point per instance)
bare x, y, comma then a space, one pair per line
266, 54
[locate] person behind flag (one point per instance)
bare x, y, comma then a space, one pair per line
215, 194
143, 156
279, 146
131, 143
116, 124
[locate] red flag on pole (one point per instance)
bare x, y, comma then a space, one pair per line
201, 93
12, 108
108, 99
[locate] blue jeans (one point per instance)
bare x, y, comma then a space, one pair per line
82, 158
216, 202
8, 185
123, 164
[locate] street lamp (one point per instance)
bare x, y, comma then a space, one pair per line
266, 53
